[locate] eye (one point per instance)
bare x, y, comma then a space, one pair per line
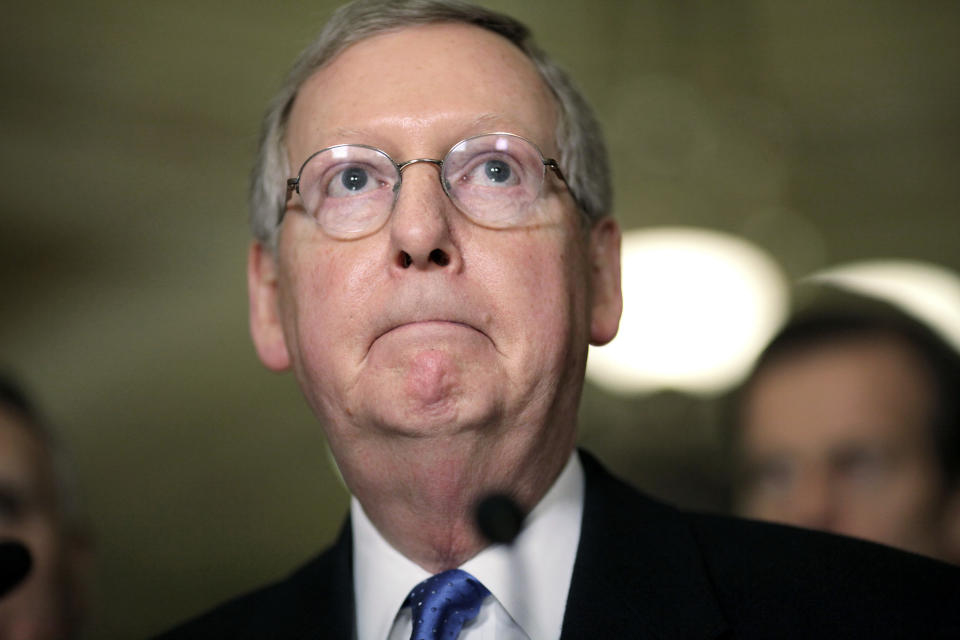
352, 180
862, 465
768, 477
496, 171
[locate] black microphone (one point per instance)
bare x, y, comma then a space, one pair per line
15, 564
499, 518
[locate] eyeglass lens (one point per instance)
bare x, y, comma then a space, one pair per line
494, 179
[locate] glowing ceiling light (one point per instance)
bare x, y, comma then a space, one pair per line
698, 307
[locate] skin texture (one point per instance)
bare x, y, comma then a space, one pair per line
837, 437
43, 606
444, 359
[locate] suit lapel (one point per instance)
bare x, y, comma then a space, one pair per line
323, 590
638, 571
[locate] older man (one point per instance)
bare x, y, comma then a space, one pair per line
433, 256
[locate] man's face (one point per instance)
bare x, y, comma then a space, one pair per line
838, 438
28, 513
386, 337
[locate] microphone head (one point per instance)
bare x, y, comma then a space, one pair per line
15, 564
499, 519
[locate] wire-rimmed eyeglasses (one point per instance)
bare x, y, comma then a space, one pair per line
494, 179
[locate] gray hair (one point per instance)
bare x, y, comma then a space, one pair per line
582, 153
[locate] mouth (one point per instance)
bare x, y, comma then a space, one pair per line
436, 326
428, 331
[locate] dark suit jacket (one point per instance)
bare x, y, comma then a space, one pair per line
647, 570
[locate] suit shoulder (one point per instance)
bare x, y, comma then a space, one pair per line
760, 580
753, 545
830, 581
236, 617
315, 599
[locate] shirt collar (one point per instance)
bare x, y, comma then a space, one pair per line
530, 578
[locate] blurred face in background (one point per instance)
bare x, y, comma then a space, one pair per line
45, 604
837, 437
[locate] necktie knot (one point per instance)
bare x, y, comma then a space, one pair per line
443, 603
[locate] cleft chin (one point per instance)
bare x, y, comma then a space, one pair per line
431, 378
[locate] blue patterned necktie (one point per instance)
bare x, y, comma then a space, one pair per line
443, 603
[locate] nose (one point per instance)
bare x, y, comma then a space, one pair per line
420, 231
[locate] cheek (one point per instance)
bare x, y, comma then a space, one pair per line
911, 495
547, 289
322, 296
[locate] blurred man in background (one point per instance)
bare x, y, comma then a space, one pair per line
38, 507
850, 424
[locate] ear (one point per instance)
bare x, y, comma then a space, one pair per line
606, 299
266, 327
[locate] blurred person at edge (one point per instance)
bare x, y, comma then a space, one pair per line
39, 508
850, 423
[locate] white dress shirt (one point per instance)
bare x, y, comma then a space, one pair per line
528, 580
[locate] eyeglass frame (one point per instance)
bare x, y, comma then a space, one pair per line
293, 184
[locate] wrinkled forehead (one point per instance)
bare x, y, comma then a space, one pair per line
422, 86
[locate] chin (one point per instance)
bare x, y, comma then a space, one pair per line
435, 396
447, 416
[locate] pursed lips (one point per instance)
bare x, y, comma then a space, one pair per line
422, 315
427, 324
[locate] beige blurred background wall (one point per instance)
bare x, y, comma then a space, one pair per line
823, 131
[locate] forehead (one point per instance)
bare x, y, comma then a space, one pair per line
419, 89
864, 389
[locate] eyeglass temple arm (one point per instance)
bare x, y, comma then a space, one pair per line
293, 184
550, 162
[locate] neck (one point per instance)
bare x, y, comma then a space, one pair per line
421, 493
